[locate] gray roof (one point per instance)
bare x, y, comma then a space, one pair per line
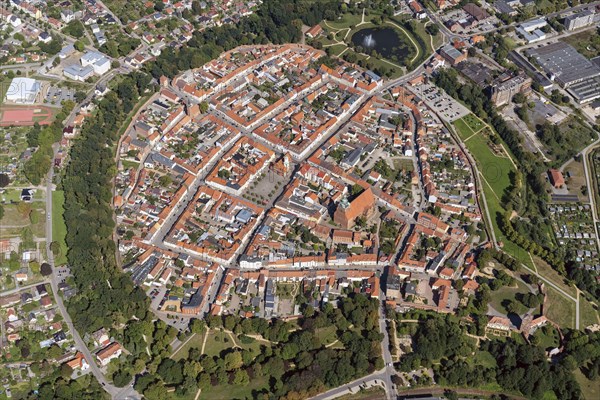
562, 61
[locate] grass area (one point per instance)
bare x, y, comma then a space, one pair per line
547, 337
589, 389
586, 42
588, 313
576, 179
495, 171
130, 164
506, 293
194, 343
59, 228
545, 270
216, 342
366, 394
235, 392
326, 335
402, 163
485, 359
567, 139
345, 21
560, 309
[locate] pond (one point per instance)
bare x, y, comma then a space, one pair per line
388, 42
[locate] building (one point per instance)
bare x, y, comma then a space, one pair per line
564, 64
579, 20
531, 31
314, 32
556, 178
109, 353
98, 61
78, 73
23, 91
503, 92
452, 55
347, 212
478, 13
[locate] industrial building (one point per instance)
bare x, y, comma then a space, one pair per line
23, 91
563, 64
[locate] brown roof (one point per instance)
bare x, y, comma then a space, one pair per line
360, 204
476, 12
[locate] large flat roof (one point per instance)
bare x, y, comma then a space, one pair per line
562, 61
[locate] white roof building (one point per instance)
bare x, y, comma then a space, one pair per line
23, 90
98, 61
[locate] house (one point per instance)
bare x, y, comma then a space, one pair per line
27, 195
78, 362
67, 16
314, 32
556, 178
109, 353
45, 37
100, 337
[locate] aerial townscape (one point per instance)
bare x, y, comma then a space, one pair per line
299, 199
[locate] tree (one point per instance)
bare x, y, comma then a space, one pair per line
55, 248
46, 269
78, 45
241, 377
233, 360
4, 180
121, 378
203, 107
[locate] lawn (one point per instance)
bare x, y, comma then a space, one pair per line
586, 42
588, 314
235, 392
560, 309
495, 171
59, 229
194, 343
590, 389
485, 359
505, 293
326, 335
216, 342
367, 394
548, 337
545, 270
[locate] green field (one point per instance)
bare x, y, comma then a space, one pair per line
590, 389
59, 229
235, 392
560, 309
505, 293
587, 313
216, 342
494, 172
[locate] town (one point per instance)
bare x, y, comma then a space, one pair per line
377, 173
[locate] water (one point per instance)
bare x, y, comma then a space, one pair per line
369, 41
386, 41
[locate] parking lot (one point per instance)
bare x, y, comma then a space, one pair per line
56, 95
443, 105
